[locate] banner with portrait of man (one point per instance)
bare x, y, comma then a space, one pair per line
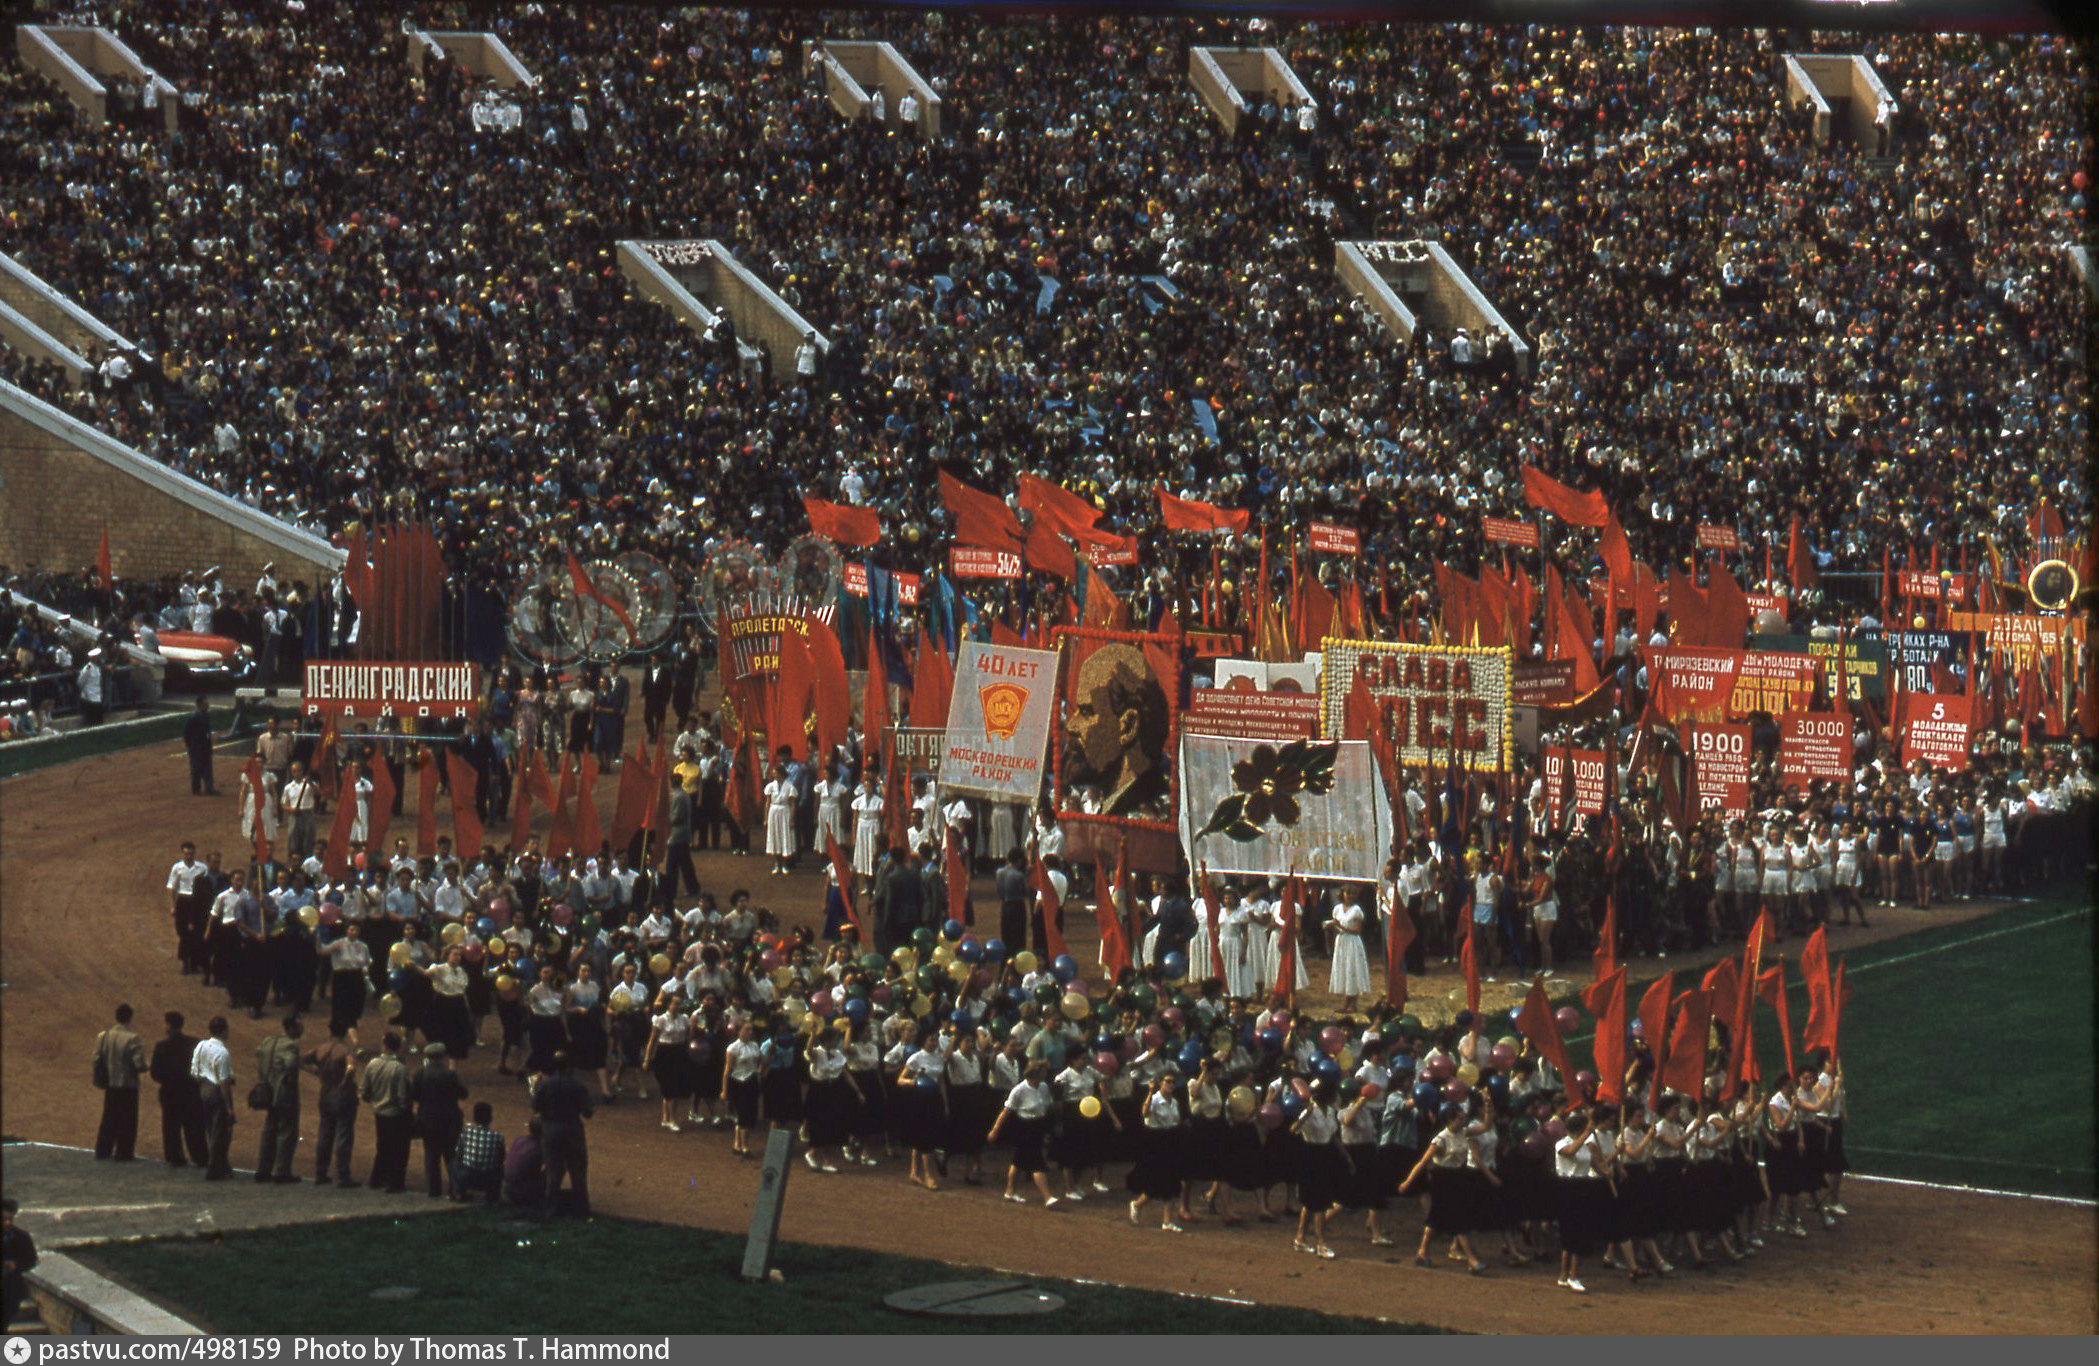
1113, 741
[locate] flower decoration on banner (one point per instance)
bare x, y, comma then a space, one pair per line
1269, 780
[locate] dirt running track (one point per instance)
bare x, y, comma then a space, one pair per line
84, 849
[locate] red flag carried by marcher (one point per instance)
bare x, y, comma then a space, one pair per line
1653, 1016
632, 799
1605, 958
932, 684
1189, 514
1610, 1040
1683, 1070
467, 833
1399, 933
1536, 1021
1286, 969
561, 833
1046, 897
338, 860
383, 793
843, 871
842, 523
587, 590
1800, 560
1580, 509
1771, 989
103, 572
1468, 963
652, 812
425, 803
1821, 1028
1064, 511
1742, 1066
589, 834
954, 869
531, 779
1107, 918
981, 519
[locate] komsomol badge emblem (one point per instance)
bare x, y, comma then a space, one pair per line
1003, 704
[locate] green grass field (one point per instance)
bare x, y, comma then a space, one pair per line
1968, 1050
473, 1269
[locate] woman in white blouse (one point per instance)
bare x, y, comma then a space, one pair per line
1323, 1168
743, 1084
1348, 974
832, 798
920, 1116
829, 1108
1026, 1113
1160, 1156
867, 826
779, 821
670, 1030
1232, 937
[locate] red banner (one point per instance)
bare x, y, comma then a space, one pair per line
1710, 537
1102, 556
1937, 728
1773, 681
1720, 766
855, 580
975, 562
1331, 538
1690, 683
1510, 531
341, 688
1815, 746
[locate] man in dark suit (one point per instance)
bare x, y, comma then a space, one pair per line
1176, 923
562, 1104
277, 1070
181, 1118
385, 1089
335, 1063
196, 738
438, 1091
119, 1059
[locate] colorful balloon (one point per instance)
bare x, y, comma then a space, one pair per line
1090, 1107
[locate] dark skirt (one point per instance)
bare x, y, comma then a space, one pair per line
586, 1040
1160, 1156
1453, 1199
1746, 1182
745, 1095
871, 1109
672, 1070
1711, 1195
1279, 1158
1677, 1200
1833, 1159
1370, 1185
511, 1016
1322, 1174
709, 1055
1120, 1144
1527, 1187
547, 1038
968, 1118
1785, 1166
1582, 1204
1639, 1202
1244, 1161
1026, 1137
830, 1112
783, 1096
1208, 1150
630, 1032
1079, 1142
921, 1117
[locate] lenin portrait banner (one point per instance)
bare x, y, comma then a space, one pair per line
1114, 738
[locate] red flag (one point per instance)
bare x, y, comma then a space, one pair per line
843, 871
632, 800
1687, 614
1771, 989
425, 803
587, 590
383, 792
1468, 963
324, 754
1605, 956
1286, 969
1046, 897
1399, 933
932, 685
1213, 910
589, 835
1569, 633
1187, 514
1683, 1067
842, 523
561, 833
1536, 1021
1821, 1029
1581, 509
658, 770
955, 870
1800, 561
1610, 1040
981, 519
1107, 916
1063, 510
338, 860
1617, 555
1721, 984
896, 796
1742, 1066
467, 834
1048, 551
1726, 610
1653, 1016
530, 780
103, 572
874, 701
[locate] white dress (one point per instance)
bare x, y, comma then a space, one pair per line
1233, 939
830, 812
1260, 946
1349, 975
1005, 830
779, 818
867, 832
361, 824
1199, 943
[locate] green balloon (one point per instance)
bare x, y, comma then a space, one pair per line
929, 979
873, 962
1392, 1032
924, 939
1524, 1127
1048, 993
857, 989
1147, 999
1408, 1024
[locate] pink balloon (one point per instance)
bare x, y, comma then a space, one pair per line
1333, 1039
1439, 1068
1585, 1082
1271, 1116
1555, 1128
821, 1003
1536, 1144
769, 960
1172, 1016
1131, 1047
473, 950
1107, 1062
563, 913
981, 978
1153, 1036
330, 913
1503, 1057
1567, 1018
1455, 1089
881, 995
1371, 1090
2079, 180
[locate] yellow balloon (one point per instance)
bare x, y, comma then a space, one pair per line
1242, 1103
398, 954
921, 1004
451, 934
309, 916
660, 965
1090, 1107
1025, 962
783, 977
1075, 1005
904, 957
506, 985
499, 947
795, 1010
1468, 1074
942, 955
390, 1006
959, 970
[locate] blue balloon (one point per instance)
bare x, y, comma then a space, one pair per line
1191, 1055
1176, 964
1271, 1038
995, 950
926, 1083
1293, 1105
1326, 1069
856, 1009
1066, 968
958, 1017
1498, 1087
970, 951
399, 979
1427, 1094
1104, 1042
951, 930
1404, 1063
485, 927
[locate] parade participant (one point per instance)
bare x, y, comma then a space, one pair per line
1161, 1154
1026, 1114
